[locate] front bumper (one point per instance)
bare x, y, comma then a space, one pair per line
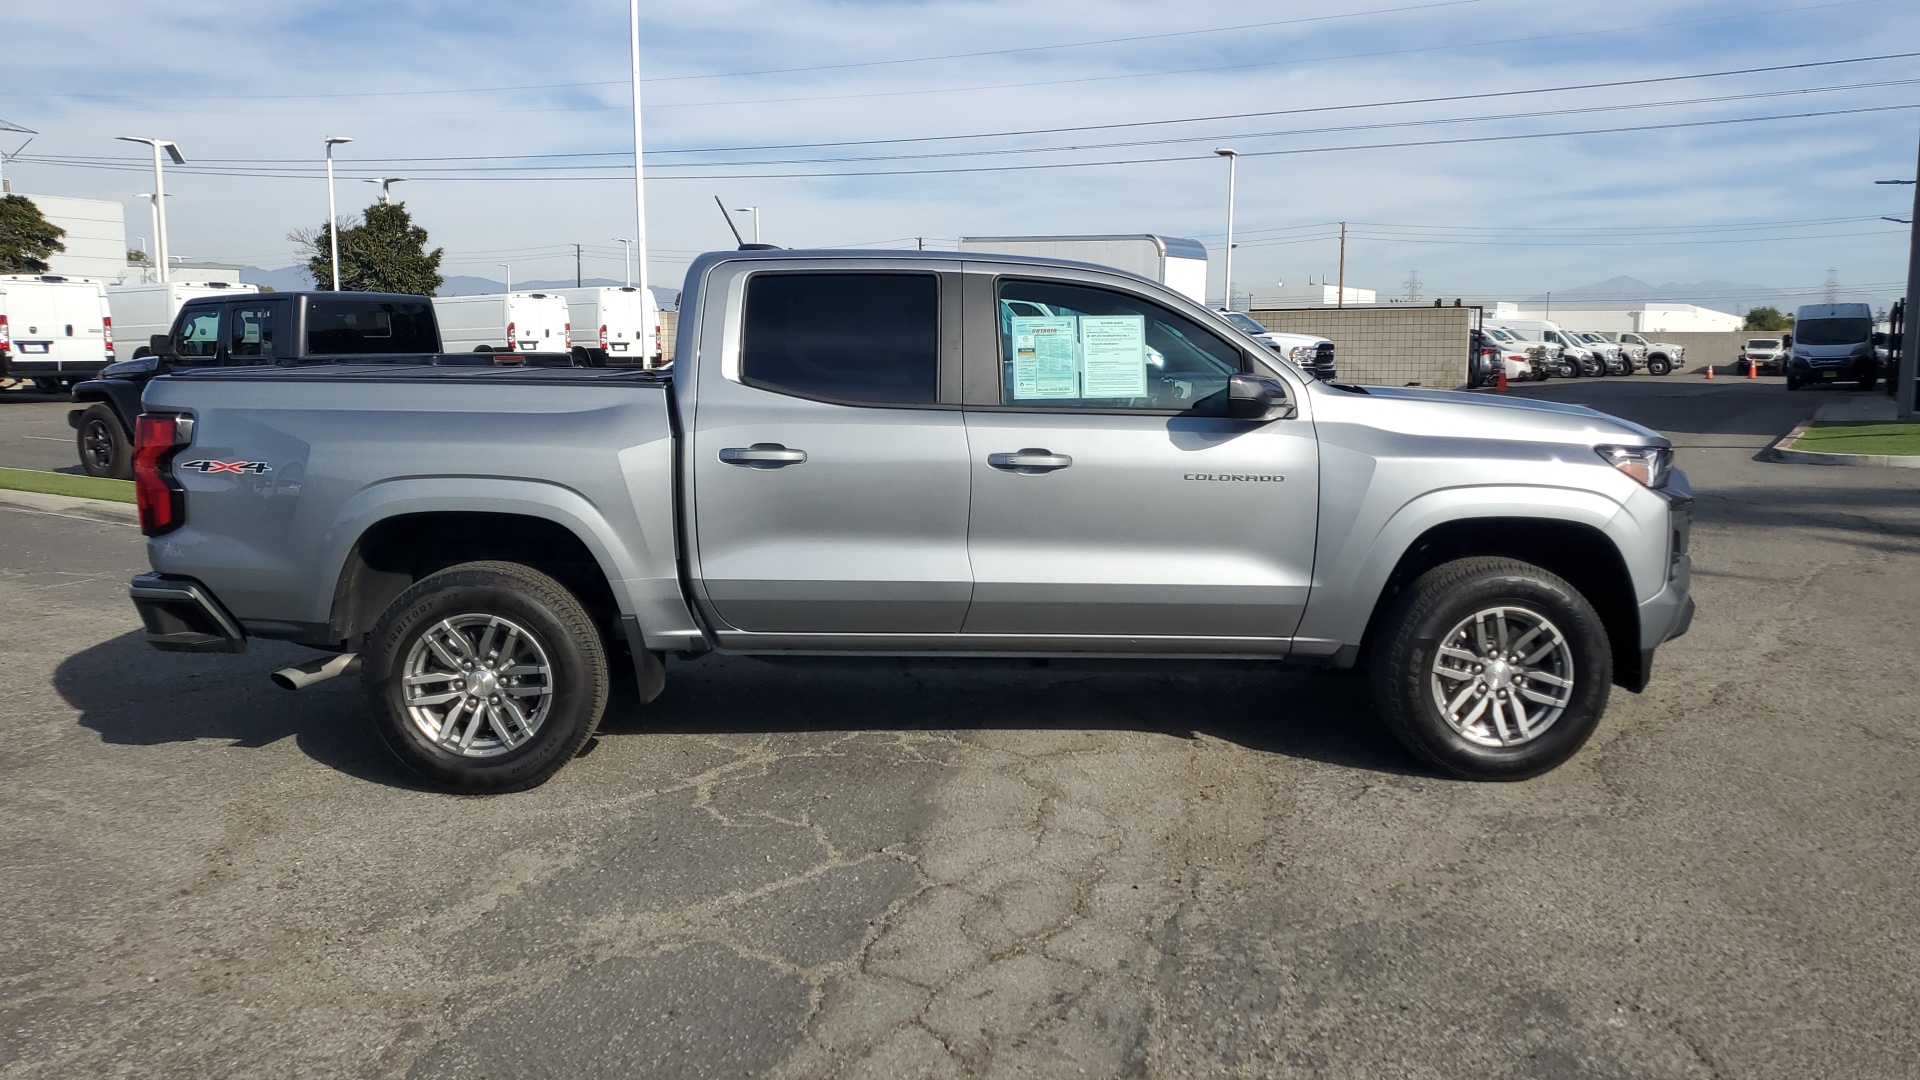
182, 615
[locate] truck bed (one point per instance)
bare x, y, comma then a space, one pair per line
313, 459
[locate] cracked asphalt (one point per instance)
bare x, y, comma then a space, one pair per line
1034, 871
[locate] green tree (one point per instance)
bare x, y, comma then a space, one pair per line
26, 237
1768, 318
382, 252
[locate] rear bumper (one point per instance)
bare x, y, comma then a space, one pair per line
181, 615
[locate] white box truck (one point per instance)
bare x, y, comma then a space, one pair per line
503, 322
141, 311
1179, 264
617, 325
54, 330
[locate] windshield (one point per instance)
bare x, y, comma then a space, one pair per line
1241, 321
1832, 331
1764, 343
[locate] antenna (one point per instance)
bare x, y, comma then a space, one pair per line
729, 217
5, 186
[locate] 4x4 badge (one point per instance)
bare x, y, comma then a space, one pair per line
206, 466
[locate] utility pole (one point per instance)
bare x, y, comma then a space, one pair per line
639, 173
1833, 285
1341, 299
626, 258
1413, 286
922, 243
576, 266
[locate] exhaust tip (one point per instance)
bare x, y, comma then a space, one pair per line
304, 675
281, 680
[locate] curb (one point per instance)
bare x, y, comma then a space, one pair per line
1778, 451
66, 506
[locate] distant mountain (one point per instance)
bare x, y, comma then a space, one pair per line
1734, 296
291, 278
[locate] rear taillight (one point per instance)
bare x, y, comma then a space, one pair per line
656, 339
106, 333
6, 335
567, 333
162, 501
603, 337
509, 337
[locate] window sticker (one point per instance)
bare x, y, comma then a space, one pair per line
1113, 352
1046, 358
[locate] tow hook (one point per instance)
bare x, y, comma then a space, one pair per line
314, 671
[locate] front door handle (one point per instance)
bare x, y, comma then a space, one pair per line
1029, 460
762, 455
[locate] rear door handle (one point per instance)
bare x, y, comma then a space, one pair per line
762, 455
1029, 460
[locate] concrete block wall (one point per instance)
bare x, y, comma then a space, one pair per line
1716, 348
1387, 345
669, 330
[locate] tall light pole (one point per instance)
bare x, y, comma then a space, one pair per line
1909, 340
755, 211
626, 258
508, 267
159, 192
639, 174
333, 217
153, 213
1233, 162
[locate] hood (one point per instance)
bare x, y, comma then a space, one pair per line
1290, 341
1457, 414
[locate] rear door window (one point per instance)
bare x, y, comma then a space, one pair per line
199, 333
255, 329
852, 338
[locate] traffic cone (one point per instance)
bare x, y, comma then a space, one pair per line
1709, 372
1500, 381
1753, 370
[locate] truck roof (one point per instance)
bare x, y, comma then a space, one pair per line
321, 294
1833, 311
701, 262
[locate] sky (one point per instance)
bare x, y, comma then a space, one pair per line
882, 122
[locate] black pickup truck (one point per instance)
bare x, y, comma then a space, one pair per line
286, 328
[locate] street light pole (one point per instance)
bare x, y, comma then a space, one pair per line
508, 267
626, 259
1233, 162
639, 173
1910, 341
159, 192
755, 211
153, 213
333, 217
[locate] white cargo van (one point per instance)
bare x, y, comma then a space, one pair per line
54, 330
1833, 342
141, 311
503, 322
1178, 263
620, 324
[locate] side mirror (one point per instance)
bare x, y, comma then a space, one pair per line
161, 344
1258, 397
1879, 338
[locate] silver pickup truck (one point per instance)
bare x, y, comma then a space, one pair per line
906, 454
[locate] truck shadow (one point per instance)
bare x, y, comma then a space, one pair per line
1316, 715
132, 695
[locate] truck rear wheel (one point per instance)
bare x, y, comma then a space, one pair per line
486, 677
1492, 669
103, 443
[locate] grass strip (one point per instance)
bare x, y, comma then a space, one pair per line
1857, 437
78, 487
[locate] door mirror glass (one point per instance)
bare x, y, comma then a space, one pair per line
1258, 397
160, 344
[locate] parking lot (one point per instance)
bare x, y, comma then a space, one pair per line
1034, 871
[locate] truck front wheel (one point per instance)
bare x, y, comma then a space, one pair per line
486, 677
1492, 669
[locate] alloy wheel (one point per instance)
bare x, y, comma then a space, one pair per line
477, 685
1502, 676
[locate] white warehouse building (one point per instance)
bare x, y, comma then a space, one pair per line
1642, 317
96, 237
1310, 295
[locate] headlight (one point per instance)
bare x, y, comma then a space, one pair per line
1651, 465
1302, 355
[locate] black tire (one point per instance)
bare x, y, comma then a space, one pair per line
551, 617
1593, 369
1793, 383
102, 443
1569, 369
47, 386
1439, 601
1868, 382
1658, 365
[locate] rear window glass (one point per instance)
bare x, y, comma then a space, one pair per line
857, 338
337, 327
